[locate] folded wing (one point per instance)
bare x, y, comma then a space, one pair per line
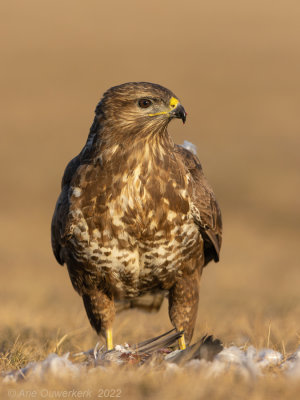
205, 209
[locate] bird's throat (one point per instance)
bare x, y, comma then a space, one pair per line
134, 150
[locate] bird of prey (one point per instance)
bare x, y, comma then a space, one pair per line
135, 214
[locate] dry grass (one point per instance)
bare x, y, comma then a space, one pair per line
235, 66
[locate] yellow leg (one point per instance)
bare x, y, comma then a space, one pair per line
181, 342
109, 339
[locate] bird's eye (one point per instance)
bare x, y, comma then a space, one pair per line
145, 103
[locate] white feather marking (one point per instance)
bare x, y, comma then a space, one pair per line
77, 192
171, 215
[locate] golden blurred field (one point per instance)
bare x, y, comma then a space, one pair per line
235, 66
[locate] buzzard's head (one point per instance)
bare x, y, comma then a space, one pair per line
139, 107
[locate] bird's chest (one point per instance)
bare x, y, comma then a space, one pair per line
147, 203
137, 229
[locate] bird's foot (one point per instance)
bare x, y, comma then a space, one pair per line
181, 342
109, 339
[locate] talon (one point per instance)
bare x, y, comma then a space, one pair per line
181, 342
109, 339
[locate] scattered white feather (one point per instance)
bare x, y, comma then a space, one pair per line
292, 365
229, 359
123, 349
267, 357
170, 355
53, 365
249, 363
189, 146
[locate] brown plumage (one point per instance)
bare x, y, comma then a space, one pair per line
136, 214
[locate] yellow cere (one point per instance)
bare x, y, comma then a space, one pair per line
173, 103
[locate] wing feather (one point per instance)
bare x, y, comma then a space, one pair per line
61, 210
205, 209
62, 205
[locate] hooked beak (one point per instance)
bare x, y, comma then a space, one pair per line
178, 112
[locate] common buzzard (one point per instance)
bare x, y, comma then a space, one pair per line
136, 215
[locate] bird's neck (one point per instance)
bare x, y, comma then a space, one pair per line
132, 148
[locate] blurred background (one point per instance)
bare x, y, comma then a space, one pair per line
235, 66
